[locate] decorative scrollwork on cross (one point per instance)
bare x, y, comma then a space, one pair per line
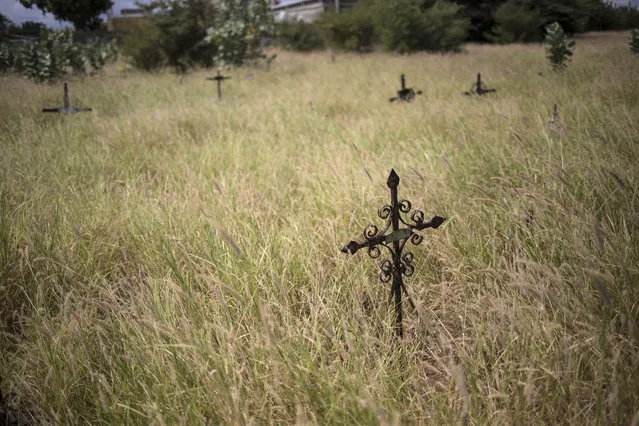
399, 264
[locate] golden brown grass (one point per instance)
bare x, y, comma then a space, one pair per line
167, 259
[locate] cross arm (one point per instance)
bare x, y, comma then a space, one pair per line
66, 110
353, 247
434, 223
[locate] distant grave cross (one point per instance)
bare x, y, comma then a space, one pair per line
66, 109
219, 77
394, 242
477, 88
405, 94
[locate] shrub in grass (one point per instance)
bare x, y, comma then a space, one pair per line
634, 40
181, 26
142, 48
558, 48
516, 21
7, 57
408, 26
300, 37
351, 30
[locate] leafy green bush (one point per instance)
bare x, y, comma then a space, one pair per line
558, 48
54, 55
141, 46
446, 30
408, 25
100, 52
238, 31
516, 21
352, 29
181, 31
634, 40
7, 57
300, 37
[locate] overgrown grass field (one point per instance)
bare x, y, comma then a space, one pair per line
167, 259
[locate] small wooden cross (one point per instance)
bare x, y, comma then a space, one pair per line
477, 88
66, 109
405, 94
394, 242
219, 77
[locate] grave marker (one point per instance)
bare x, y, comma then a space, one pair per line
66, 109
219, 77
553, 117
478, 89
405, 94
394, 242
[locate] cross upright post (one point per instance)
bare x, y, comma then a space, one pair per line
394, 242
66, 95
405, 94
476, 87
67, 108
219, 77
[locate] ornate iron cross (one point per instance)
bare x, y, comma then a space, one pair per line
477, 88
66, 109
394, 242
405, 94
219, 77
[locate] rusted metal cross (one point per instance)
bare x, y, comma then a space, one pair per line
66, 109
405, 94
219, 77
394, 242
477, 88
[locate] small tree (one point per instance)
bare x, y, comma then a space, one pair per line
239, 30
634, 40
558, 48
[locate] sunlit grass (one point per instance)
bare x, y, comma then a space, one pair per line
170, 259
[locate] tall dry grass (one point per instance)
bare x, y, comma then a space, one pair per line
167, 259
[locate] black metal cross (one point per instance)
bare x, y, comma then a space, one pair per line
477, 88
66, 109
219, 77
394, 242
405, 94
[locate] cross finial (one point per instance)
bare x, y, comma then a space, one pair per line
393, 179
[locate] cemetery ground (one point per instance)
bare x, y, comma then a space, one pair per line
167, 259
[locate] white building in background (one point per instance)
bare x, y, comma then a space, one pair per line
306, 10
283, 11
